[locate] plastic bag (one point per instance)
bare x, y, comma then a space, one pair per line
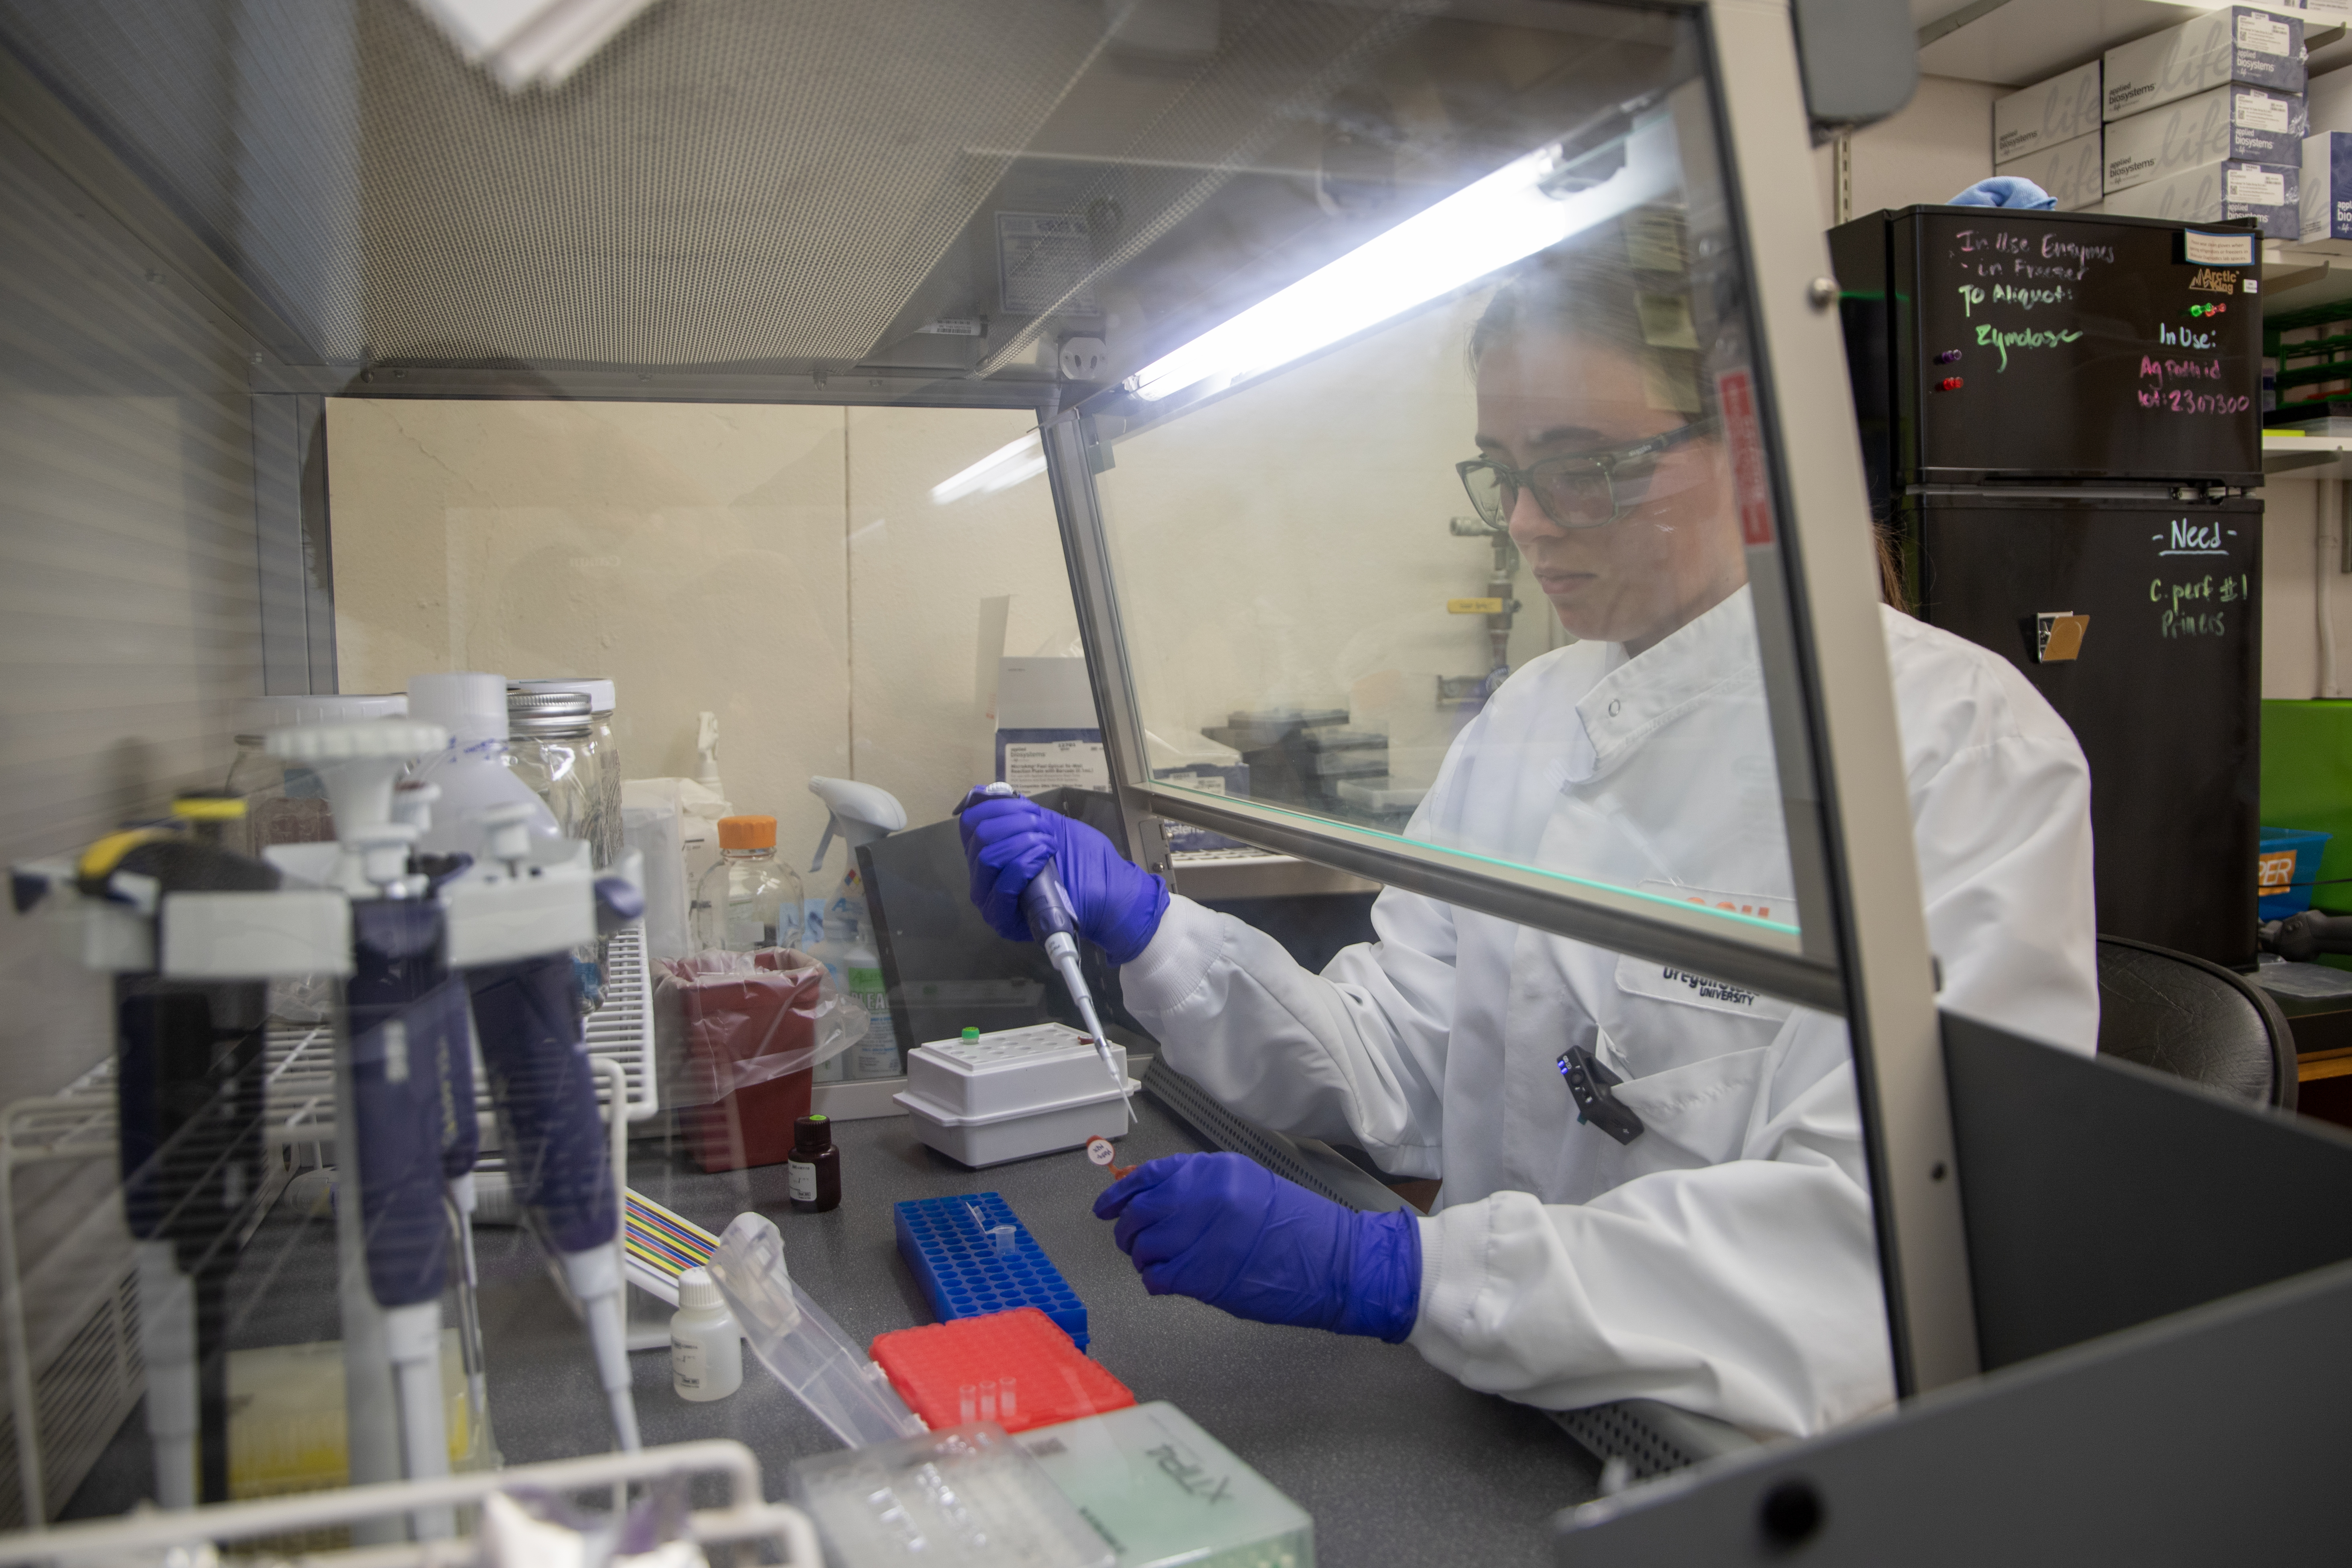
730, 1020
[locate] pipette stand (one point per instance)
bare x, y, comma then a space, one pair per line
198, 953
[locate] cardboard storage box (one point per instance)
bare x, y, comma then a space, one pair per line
2037, 118
2327, 187
2251, 124
2239, 43
2071, 170
2267, 192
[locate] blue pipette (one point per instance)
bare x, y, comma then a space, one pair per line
1045, 905
528, 1015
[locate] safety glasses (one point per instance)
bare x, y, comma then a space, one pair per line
1589, 489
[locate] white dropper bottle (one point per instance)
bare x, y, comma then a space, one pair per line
706, 1346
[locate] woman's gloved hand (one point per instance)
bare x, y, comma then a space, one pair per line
2005, 191
1227, 1231
1008, 838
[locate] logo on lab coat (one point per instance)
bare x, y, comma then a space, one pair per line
1668, 982
1704, 988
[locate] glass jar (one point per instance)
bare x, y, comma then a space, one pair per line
598, 761
750, 900
285, 802
548, 736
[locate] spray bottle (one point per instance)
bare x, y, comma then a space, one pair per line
859, 813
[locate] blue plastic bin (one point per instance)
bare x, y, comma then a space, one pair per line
2286, 869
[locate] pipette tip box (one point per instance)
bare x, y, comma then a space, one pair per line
1012, 1094
1016, 1369
1152, 1480
947, 1243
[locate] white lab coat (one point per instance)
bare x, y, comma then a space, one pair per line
1722, 1261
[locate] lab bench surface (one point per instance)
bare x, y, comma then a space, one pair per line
1396, 1462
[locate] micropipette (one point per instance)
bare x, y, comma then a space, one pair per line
1047, 907
527, 1015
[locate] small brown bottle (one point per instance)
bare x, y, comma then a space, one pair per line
813, 1174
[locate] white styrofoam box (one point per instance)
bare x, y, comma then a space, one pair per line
1009, 1071
2069, 171
2251, 124
2328, 100
2267, 192
2237, 43
2048, 112
1015, 1135
2327, 187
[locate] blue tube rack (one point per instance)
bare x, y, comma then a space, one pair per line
951, 1253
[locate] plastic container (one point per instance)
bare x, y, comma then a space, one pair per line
1015, 1368
795, 1339
739, 1035
968, 1498
2286, 869
994, 1137
705, 1349
945, 1242
1151, 1478
1008, 1071
751, 899
877, 1055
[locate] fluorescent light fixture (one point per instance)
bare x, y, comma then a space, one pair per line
1506, 217
1000, 470
530, 43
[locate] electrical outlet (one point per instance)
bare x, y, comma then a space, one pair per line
1084, 359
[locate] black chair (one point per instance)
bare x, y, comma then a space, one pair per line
2195, 1020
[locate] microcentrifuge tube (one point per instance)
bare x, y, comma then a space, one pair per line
967, 1404
1006, 1409
1000, 1237
988, 1401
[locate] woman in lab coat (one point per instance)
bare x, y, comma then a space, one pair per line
1723, 1259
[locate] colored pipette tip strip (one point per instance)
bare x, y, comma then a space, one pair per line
1013, 1368
660, 1244
951, 1244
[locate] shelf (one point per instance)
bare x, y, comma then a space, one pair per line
2017, 43
2306, 457
2298, 277
1254, 874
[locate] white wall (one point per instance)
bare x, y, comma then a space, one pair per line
1937, 147
2302, 560
783, 567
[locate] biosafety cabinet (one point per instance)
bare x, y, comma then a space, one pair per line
1342, 379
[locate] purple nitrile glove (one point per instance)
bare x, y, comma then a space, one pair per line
1008, 838
1227, 1231
2005, 191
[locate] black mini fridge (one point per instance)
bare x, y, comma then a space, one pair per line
2060, 418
